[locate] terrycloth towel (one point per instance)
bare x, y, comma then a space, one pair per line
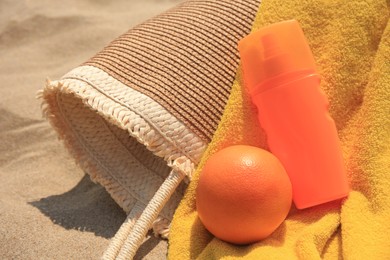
138, 115
351, 44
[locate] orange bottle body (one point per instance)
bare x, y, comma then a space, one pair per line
280, 75
301, 133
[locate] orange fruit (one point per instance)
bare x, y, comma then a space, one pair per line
243, 194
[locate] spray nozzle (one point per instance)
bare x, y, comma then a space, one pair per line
274, 50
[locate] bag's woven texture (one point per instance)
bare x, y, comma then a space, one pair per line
184, 59
144, 108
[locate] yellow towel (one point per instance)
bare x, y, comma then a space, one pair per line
351, 44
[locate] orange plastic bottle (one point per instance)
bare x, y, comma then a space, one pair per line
279, 72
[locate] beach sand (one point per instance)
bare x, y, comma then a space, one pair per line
49, 208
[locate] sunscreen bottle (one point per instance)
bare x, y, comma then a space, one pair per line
280, 75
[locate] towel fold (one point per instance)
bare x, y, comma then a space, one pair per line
351, 44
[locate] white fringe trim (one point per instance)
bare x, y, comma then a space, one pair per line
144, 119
161, 227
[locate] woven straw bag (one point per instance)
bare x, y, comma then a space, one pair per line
138, 115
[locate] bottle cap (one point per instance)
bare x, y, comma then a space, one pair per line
274, 51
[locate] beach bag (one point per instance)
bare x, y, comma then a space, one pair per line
138, 115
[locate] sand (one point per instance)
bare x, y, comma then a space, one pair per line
49, 208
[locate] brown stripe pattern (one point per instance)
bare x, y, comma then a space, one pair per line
185, 59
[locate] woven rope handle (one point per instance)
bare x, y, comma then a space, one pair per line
120, 237
131, 235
